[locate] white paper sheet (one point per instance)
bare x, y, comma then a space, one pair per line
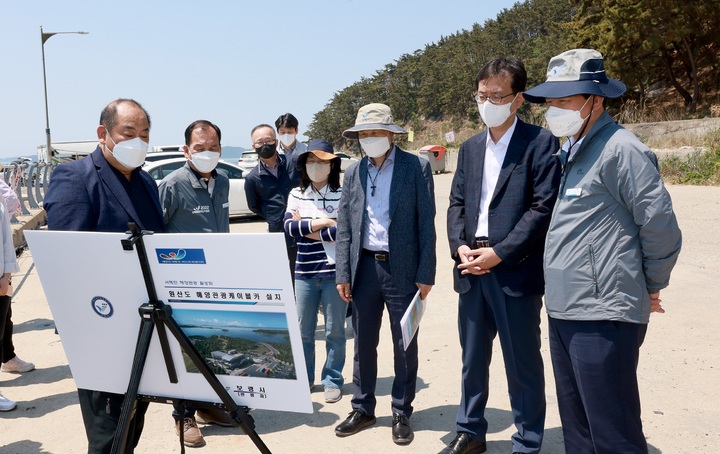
410, 321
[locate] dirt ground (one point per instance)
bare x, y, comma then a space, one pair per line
679, 369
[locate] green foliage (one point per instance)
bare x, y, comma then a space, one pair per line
437, 82
698, 168
651, 40
644, 42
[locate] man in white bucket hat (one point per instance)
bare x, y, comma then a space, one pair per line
612, 243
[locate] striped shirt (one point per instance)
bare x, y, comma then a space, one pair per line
312, 256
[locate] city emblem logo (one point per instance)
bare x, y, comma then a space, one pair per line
102, 307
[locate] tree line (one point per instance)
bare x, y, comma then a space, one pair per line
646, 44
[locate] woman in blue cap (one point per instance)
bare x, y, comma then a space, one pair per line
310, 218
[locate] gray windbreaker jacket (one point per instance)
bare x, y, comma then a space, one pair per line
613, 236
188, 207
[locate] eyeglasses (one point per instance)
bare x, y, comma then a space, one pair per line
260, 143
495, 99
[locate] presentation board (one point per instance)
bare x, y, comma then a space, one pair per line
230, 293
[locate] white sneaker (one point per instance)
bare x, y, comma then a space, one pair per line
6, 404
17, 366
332, 395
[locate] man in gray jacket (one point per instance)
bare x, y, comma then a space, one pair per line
612, 243
194, 199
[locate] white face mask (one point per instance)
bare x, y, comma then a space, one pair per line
494, 115
287, 139
375, 147
565, 122
317, 171
205, 161
130, 153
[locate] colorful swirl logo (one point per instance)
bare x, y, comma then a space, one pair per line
174, 256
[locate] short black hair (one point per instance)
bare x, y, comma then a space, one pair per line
501, 66
108, 116
287, 120
201, 124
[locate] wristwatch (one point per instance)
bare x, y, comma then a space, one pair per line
7, 278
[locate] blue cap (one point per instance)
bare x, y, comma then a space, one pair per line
320, 148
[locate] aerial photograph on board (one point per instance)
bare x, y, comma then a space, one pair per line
248, 344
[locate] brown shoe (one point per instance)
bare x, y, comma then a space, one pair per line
191, 433
214, 416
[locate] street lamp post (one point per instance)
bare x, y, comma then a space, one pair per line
44, 37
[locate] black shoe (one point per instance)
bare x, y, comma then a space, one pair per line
355, 422
402, 433
463, 444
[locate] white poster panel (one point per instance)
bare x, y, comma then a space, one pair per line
230, 293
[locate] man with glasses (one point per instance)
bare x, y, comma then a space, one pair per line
268, 184
501, 200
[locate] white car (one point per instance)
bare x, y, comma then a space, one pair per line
345, 161
248, 160
162, 155
238, 203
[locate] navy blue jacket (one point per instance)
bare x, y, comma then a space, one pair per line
267, 194
520, 208
86, 195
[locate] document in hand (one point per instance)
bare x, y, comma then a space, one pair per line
410, 321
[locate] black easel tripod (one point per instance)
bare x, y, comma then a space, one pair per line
156, 313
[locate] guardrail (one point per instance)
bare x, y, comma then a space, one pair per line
29, 180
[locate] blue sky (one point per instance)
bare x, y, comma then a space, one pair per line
234, 319
236, 63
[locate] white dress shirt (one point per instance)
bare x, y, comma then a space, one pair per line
494, 157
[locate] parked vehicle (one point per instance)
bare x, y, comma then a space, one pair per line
248, 160
345, 161
238, 203
162, 155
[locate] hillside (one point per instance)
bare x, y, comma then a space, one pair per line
667, 53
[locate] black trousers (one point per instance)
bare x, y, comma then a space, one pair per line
8, 349
4, 316
101, 414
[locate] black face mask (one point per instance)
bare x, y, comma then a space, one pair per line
266, 151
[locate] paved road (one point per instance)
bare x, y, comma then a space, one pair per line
679, 369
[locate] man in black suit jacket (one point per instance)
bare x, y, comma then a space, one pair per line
385, 255
501, 200
102, 193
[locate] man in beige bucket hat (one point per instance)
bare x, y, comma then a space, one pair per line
385, 254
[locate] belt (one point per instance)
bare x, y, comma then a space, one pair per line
380, 256
481, 242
